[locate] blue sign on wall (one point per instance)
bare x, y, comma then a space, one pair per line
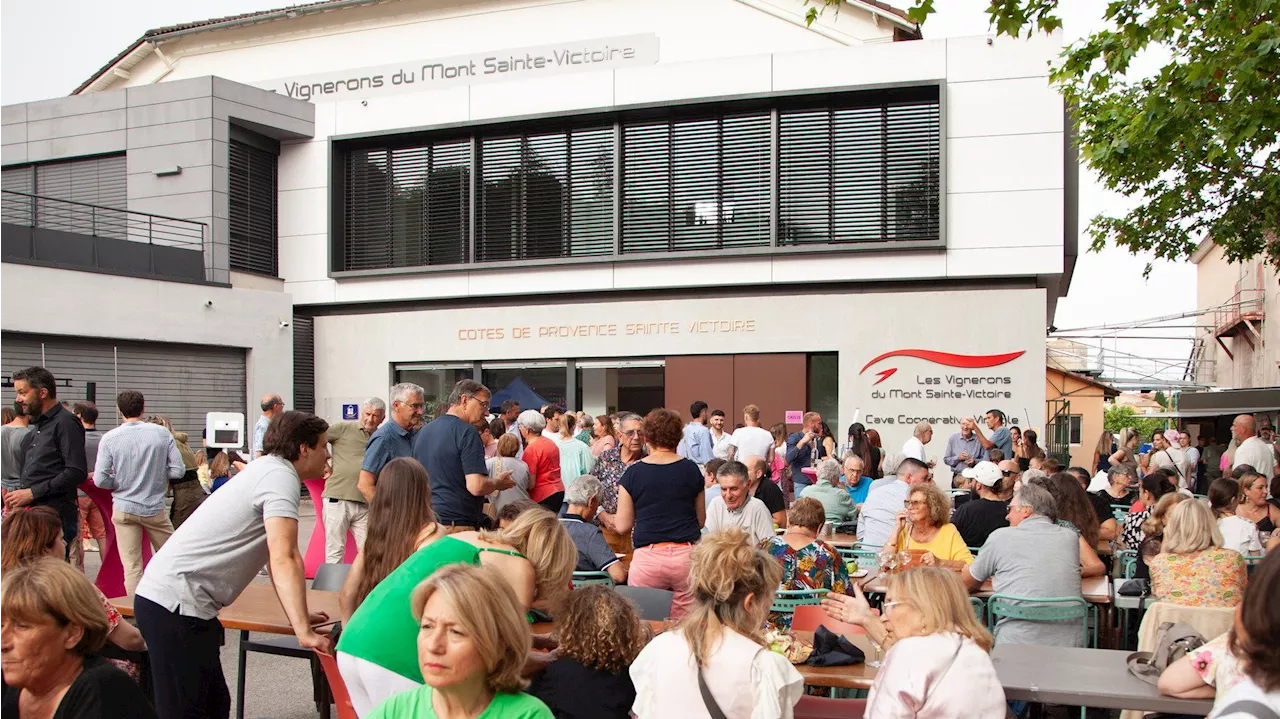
351, 411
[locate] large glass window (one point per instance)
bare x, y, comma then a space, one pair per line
436, 380
824, 391
836, 170
529, 383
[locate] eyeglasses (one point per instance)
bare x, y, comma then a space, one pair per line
886, 609
632, 432
418, 405
1008, 472
484, 405
914, 503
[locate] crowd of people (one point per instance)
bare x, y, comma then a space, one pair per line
470, 526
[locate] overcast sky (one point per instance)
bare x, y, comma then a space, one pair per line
48, 48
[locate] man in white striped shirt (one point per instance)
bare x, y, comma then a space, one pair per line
136, 461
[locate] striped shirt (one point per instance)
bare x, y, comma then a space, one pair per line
136, 460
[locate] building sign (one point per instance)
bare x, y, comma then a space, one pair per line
945, 380
351, 411
794, 416
710, 326
515, 64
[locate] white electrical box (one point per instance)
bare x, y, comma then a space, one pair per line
224, 430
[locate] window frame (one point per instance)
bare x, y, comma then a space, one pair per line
339, 144
256, 145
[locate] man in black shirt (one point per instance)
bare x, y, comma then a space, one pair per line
979, 517
55, 463
765, 490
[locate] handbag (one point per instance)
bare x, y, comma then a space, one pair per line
1174, 641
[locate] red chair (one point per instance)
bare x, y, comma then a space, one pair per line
810, 707
341, 699
807, 619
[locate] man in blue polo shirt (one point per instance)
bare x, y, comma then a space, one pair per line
449, 448
394, 438
583, 496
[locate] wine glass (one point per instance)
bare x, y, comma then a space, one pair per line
874, 661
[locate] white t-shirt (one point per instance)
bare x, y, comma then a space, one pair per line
1257, 454
914, 448
1173, 458
751, 442
1241, 535
1245, 691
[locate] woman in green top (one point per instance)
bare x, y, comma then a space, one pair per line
472, 640
376, 650
575, 457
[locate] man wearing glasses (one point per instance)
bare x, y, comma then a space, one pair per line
450, 449
393, 439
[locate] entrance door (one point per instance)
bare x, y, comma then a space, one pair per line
773, 382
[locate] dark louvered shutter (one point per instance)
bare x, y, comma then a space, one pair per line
16, 209
860, 173
252, 195
545, 195
304, 364
97, 181
407, 206
700, 184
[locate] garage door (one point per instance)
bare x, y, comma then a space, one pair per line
181, 381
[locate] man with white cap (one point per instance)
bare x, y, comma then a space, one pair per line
978, 518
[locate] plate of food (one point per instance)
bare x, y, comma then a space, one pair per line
795, 649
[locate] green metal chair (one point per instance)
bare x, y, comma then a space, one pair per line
863, 558
787, 600
1052, 609
974, 550
583, 579
979, 608
1127, 563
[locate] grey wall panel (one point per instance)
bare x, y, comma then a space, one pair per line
181, 381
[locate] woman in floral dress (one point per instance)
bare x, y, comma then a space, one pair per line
807, 562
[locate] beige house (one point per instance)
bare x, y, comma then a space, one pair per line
1241, 346
1075, 406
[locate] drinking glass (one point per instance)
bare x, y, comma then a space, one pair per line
874, 661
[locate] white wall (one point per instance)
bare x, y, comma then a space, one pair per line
1004, 124
355, 352
87, 304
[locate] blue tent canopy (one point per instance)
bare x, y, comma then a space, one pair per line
518, 391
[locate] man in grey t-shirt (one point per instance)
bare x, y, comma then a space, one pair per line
215, 554
1033, 557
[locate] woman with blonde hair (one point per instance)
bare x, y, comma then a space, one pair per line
1193, 569
1102, 451
376, 652
600, 634
936, 663
51, 630
1125, 446
720, 643
471, 644
925, 525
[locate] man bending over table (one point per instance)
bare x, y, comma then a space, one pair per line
215, 554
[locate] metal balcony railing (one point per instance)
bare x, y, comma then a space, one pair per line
76, 235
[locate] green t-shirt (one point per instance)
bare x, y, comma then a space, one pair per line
383, 630
416, 703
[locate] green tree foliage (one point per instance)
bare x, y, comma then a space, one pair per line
1116, 417
1195, 144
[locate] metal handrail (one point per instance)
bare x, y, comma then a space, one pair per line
30, 210
100, 207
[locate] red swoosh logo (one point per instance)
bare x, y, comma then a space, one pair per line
944, 358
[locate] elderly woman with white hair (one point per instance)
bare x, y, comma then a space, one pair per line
543, 459
828, 490
1193, 569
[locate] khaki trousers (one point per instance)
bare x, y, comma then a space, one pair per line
340, 516
129, 539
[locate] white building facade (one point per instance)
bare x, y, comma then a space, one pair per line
617, 204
